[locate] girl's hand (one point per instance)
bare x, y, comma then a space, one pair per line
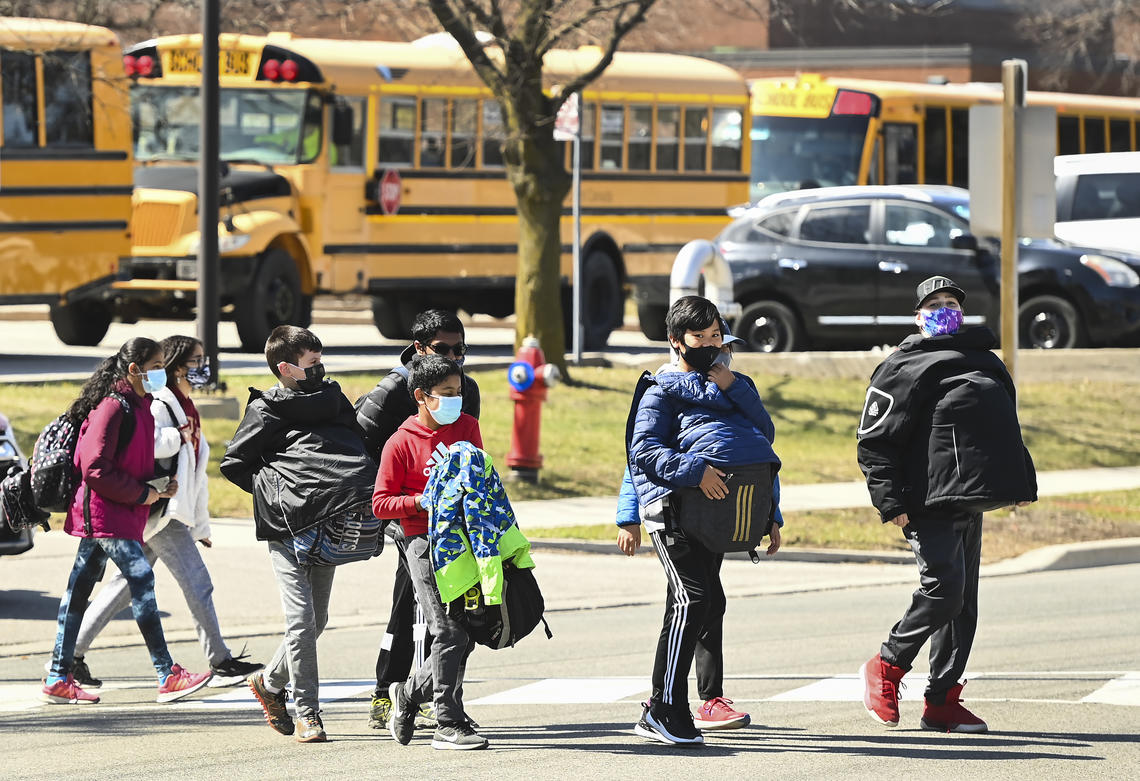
712, 486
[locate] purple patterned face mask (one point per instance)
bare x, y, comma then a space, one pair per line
943, 320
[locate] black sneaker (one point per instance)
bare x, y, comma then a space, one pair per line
402, 722
233, 671
668, 724
82, 674
273, 705
457, 737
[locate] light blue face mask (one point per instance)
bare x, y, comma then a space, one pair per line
154, 380
448, 411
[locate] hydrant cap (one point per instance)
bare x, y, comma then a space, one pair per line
520, 375
531, 341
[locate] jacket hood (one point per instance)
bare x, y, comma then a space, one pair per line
978, 337
317, 407
406, 355
693, 388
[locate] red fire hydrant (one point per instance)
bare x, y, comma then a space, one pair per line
530, 376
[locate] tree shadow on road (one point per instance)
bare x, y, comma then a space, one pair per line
27, 604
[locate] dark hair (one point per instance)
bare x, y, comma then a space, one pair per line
690, 313
431, 321
137, 351
287, 343
429, 371
176, 351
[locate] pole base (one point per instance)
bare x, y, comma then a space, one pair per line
525, 474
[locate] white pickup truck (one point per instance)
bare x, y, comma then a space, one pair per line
1098, 200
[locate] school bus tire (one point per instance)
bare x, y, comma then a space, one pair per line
274, 298
81, 324
602, 301
393, 316
651, 319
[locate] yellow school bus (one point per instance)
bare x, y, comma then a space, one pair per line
65, 170
816, 131
375, 167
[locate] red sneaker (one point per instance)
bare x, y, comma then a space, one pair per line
181, 682
718, 713
881, 683
951, 716
67, 692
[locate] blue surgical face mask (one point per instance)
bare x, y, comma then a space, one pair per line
154, 380
941, 321
449, 409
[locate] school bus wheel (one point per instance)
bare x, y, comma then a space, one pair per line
393, 315
602, 304
81, 324
274, 298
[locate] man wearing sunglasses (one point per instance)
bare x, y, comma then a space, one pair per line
379, 413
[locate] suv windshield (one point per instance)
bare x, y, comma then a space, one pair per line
259, 125
790, 153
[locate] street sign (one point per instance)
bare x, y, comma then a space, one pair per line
391, 190
1036, 131
567, 122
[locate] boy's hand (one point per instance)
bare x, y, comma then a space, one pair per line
774, 539
171, 489
722, 376
711, 484
629, 539
900, 520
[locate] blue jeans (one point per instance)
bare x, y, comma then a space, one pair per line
90, 561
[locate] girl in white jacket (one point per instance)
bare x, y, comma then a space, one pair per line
181, 451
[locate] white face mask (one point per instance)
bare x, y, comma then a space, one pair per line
449, 409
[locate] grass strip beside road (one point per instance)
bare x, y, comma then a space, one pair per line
1069, 424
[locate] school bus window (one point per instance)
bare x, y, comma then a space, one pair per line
668, 137
640, 135
312, 134
463, 127
432, 132
696, 137
67, 99
726, 139
589, 119
351, 155
1119, 135
397, 130
934, 145
1068, 136
960, 138
613, 136
21, 113
493, 134
1094, 134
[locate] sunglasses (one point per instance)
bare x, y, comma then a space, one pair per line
442, 348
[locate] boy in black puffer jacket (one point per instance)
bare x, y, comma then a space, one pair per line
940, 443
299, 452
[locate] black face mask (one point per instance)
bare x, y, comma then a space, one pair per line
700, 358
314, 377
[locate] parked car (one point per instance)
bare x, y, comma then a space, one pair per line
838, 266
11, 543
1098, 200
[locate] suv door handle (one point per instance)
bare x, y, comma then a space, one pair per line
893, 266
795, 264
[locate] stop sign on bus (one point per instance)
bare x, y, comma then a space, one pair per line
391, 188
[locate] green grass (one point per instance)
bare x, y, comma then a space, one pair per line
1066, 424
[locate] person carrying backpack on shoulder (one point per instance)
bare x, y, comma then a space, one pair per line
115, 458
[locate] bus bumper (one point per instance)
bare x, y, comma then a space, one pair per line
147, 276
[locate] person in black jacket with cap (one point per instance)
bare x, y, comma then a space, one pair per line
939, 444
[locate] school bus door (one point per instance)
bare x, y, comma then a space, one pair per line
344, 207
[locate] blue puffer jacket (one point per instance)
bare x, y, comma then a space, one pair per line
684, 422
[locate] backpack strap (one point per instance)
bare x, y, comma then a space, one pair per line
173, 417
126, 424
401, 371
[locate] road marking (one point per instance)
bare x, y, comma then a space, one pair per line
1124, 690
568, 691
840, 688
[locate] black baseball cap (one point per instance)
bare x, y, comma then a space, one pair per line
929, 287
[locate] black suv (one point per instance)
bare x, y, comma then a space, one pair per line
838, 266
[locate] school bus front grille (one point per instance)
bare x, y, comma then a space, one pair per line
155, 224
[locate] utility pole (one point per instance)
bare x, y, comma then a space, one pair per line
1013, 80
209, 309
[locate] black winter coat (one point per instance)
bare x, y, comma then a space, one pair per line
381, 411
939, 435
302, 457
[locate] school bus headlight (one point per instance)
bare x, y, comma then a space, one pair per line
230, 242
1115, 273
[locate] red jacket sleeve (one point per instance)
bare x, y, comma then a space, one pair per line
389, 502
97, 451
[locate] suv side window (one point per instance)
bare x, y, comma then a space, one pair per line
837, 224
914, 226
779, 224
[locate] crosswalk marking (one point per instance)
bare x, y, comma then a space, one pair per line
1124, 690
839, 688
568, 691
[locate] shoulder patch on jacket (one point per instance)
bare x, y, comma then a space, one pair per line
875, 409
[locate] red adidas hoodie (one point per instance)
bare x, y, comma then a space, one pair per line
407, 459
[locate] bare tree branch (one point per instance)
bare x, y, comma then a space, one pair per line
621, 27
463, 31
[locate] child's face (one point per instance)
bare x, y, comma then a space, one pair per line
705, 337
451, 387
937, 301
291, 372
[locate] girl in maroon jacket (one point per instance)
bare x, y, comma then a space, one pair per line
109, 512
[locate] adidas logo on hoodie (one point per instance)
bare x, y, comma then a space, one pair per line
438, 456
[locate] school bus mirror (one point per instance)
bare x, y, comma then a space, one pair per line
372, 189
342, 123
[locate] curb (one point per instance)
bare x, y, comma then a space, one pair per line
812, 555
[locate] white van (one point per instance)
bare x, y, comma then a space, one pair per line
1098, 200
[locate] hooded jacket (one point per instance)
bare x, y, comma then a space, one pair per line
472, 528
939, 434
189, 506
301, 456
113, 486
384, 408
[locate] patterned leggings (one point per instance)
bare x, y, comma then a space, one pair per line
90, 560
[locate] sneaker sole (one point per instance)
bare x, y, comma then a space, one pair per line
931, 726
224, 681
704, 726
52, 699
286, 730
322, 738
172, 696
869, 709
443, 745
653, 732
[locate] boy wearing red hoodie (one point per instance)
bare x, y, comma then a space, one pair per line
418, 445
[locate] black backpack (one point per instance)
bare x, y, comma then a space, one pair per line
503, 625
54, 478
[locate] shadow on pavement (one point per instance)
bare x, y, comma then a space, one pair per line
29, 605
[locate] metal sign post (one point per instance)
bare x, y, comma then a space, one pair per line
567, 127
209, 269
1013, 79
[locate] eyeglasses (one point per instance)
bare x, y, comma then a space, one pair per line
443, 348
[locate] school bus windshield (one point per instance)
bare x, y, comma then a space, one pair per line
789, 153
257, 125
